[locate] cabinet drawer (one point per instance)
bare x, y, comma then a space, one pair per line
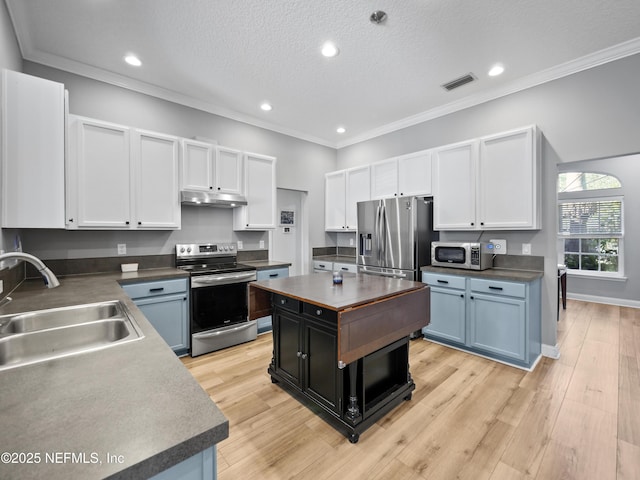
319, 312
498, 288
346, 267
287, 303
272, 273
439, 280
151, 289
322, 265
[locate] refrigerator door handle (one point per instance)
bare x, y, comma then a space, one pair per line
378, 231
383, 236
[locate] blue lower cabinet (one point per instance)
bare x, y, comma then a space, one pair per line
202, 466
494, 318
165, 303
264, 323
498, 325
448, 315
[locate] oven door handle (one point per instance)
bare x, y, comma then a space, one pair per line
197, 281
222, 331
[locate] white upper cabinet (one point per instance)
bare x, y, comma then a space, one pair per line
99, 194
260, 192
157, 201
121, 178
197, 165
33, 152
228, 170
492, 183
407, 175
209, 167
454, 179
343, 190
509, 180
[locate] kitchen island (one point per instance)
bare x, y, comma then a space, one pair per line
342, 350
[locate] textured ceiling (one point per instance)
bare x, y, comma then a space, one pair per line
228, 56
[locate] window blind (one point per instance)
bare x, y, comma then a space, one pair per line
590, 218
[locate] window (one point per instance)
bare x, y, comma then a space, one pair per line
590, 223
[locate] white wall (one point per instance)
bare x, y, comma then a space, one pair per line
591, 114
301, 166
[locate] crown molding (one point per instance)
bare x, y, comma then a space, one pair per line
592, 60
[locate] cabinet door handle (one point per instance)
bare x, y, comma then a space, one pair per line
139, 223
443, 281
282, 301
471, 297
494, 288
461, 295
318, 312
304, 356
155, 290
298, 354
127, 222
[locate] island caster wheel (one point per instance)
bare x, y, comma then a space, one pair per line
354, 437
408, 397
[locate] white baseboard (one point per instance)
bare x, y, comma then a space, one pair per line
621, 302
550, 351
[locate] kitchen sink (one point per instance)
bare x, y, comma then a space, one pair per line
43, 335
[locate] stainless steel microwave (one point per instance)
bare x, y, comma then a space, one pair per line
467, 255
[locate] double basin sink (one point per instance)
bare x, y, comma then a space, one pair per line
43, 335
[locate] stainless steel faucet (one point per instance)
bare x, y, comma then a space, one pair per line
50, 279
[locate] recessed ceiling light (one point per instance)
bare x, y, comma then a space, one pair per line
496, 70
329, 50
266, 107
133, 60
341, 129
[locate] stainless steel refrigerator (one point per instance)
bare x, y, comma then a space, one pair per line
394, 236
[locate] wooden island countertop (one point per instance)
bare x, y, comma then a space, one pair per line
371, 311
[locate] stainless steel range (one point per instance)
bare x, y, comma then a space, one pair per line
219, 309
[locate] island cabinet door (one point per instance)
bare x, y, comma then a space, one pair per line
322, 378
288, 346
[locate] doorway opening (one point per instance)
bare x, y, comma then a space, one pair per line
290, 239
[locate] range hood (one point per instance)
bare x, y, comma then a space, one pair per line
211, 199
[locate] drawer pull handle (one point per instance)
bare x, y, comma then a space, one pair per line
495, 288
273, 275
155, 290
321, 265
443, 281
345, 269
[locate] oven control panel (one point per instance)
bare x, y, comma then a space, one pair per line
205, 249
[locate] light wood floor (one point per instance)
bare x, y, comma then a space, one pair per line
573, 418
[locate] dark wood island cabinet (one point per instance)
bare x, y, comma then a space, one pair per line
343, 350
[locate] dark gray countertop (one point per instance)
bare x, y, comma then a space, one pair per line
336, 258
266, 264
491, 273
136, 400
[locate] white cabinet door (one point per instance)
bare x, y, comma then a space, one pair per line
33, 131
197, 165
260, 191
384, 179
508, 179
454, 178
335, 194
228, 170
358, 190
414, 174
102, 176
157, 201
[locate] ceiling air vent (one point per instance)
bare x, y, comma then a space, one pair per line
458, 82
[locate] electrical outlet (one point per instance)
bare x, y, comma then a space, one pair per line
526, 249
351, 242
261, 243
1, 286
499, 246
240, 245
122, 249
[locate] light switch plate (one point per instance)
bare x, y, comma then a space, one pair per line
526, 249
1, 286
499, 246
122, 249
240, 245
261, 243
